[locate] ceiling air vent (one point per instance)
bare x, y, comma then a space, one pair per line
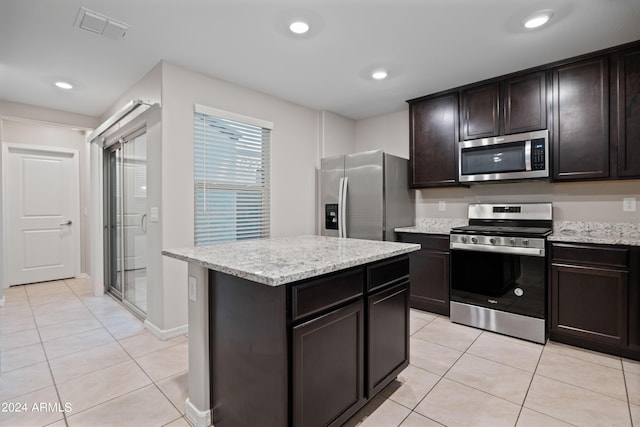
100, 24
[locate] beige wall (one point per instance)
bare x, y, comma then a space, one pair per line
337, 135
295, 149
389, 132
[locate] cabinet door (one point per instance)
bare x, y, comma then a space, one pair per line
328, 367
388, 343
430, 281
525, 103
589, 305
433, 141
480, 115
581, 120
429, 272
634, 303
626, 112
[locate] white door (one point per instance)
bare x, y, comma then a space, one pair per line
41, 203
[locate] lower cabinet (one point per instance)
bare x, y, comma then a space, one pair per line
328, 367
591, 297
388, 347
349, 340
429, 272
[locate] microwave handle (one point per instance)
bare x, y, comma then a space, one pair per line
527, 155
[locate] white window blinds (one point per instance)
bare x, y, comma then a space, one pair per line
231, 177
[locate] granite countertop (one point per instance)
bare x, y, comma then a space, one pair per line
433, 225
277, 261
596, 232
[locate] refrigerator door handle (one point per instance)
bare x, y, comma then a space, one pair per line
344, 207
340, 191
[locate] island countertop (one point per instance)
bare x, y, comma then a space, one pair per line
278, 261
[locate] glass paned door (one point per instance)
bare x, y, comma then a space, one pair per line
126, 221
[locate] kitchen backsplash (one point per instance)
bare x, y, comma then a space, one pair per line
581, 201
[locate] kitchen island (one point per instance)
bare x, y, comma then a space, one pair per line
293, 331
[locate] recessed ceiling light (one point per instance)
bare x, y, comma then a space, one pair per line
299, 27
64, 85
379, 74
537, 20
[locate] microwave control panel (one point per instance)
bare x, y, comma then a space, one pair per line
537, 154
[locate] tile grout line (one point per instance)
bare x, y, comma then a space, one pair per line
44, 350
533, 375
445, 373
134, 359
626, 389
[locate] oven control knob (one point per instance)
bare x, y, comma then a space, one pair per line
525, 242
492, 240
474, 240
512, 241
463, 239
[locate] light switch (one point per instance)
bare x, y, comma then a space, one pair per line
442, 206
155, 216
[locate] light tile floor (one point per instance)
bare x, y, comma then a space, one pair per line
60, 347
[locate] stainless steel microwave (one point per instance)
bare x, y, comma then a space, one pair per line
519, 156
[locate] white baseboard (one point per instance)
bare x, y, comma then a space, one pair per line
2, 302
195, 416
165, 334
83, 276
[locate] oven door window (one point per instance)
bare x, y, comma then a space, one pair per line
494, 159
511, 283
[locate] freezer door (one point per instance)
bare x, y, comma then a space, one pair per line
398, 197
331, 174
365, 196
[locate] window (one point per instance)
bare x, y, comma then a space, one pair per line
231, 176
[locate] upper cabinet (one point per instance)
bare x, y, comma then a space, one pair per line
625, 113
590, 104
479, 112
433, 137
581, 120
513, 105
524, 101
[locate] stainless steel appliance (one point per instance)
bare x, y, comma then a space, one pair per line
498, 269
519, 156
365, 195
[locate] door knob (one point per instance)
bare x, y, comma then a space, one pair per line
67, 222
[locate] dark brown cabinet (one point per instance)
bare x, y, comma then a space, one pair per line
309, 353
590, 104
591, 297
344, 355
433, 138
429, 272
328, 367
388, 347
480, 112
524, 101
513, 105
625, 113
581, 120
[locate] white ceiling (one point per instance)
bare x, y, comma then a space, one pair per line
428, 46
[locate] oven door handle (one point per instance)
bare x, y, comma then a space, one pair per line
498, 249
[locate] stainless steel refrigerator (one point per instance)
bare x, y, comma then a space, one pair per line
365, 195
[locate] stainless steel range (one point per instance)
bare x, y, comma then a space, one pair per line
498, 269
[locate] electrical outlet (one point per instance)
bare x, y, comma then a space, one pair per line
629, 204
193, 291
442, 206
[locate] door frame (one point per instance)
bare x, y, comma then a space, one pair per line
74, 153
117, 139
